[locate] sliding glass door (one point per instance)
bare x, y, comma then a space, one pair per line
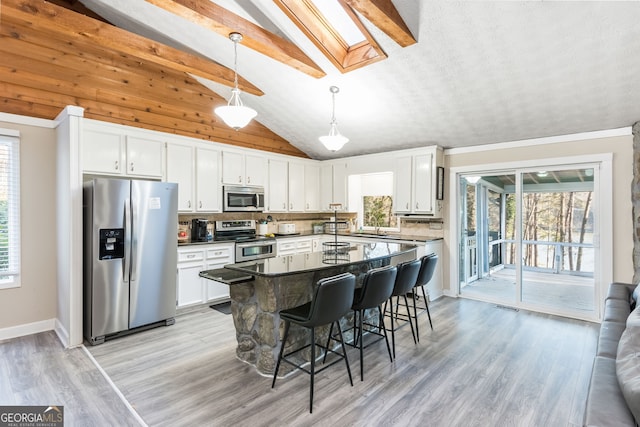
527, 239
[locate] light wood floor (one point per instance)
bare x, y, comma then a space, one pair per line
481, 366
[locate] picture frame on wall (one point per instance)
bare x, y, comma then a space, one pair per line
439, 183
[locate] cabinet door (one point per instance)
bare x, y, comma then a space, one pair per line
216, 291
326, 187
232, 168
180, 170
287, 247
423, 187
304, 246
189, 284
402, 196
144, 157
278, 185
102, 151
207, 188
296, 187
434, 287
340, 185
311, 188
255, 167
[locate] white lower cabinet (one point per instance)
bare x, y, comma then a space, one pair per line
294, 245
193, 289
434, 287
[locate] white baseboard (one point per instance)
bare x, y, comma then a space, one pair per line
27, 329
62, 333
449, 293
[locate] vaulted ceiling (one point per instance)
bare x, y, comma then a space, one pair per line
478, 73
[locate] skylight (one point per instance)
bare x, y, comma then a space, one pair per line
341, 22
335, 29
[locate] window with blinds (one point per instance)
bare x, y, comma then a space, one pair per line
9, 212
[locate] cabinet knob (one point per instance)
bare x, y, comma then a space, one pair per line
191, 256
131, 166
117, 165
407, 206
240, 179
189, 204
291, 206
417, 205
248, 180
307, 205
200, 206
284, 205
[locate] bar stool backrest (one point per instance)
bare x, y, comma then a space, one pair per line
332, 299
407, 276
377, 287
427, 267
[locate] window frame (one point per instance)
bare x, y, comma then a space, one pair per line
11, 140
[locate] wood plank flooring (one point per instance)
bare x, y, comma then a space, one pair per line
481, 366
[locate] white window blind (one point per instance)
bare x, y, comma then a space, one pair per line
9, 211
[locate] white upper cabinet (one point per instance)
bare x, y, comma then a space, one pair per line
208, 191
144, 157
311, 187
180, 170
277, 197
243, 169
326, 186
340, 185
113, 150
415, 182
102, 151
403, 176
296, 187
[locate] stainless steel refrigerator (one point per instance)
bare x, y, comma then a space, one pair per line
130, 256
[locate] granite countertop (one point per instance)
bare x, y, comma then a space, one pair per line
307, 262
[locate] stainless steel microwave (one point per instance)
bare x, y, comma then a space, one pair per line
243, 199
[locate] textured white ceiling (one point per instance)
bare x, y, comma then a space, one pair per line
481, 73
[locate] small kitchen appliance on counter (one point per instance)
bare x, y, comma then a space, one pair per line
199, 230
286, 228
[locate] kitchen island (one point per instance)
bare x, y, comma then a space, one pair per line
260, 289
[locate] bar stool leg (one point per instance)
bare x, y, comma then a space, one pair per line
360, 338
282, 343
384, 330
426, 304
344, 352
313, 367
393, 329
326, 349
413, 332
415, 314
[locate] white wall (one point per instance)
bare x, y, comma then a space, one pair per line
32, 307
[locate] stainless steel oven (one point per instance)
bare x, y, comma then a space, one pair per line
243, 199
248, 246
255, 249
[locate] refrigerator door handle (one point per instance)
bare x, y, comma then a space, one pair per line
134, 240
127, 241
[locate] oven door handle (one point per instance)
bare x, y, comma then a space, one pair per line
249, 244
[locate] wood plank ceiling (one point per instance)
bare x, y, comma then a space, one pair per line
62, 54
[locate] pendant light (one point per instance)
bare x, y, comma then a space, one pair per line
334, 141
235, 114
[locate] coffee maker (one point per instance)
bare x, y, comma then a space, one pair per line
199, 230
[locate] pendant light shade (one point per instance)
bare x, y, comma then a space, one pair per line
334, 141
235, 114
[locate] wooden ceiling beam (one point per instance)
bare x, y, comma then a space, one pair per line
384, 15
219, 20
74, 26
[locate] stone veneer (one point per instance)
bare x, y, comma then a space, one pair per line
255, 308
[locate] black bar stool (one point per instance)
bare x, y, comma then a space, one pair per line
405, 281
377, 286
332, 300
427, 268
